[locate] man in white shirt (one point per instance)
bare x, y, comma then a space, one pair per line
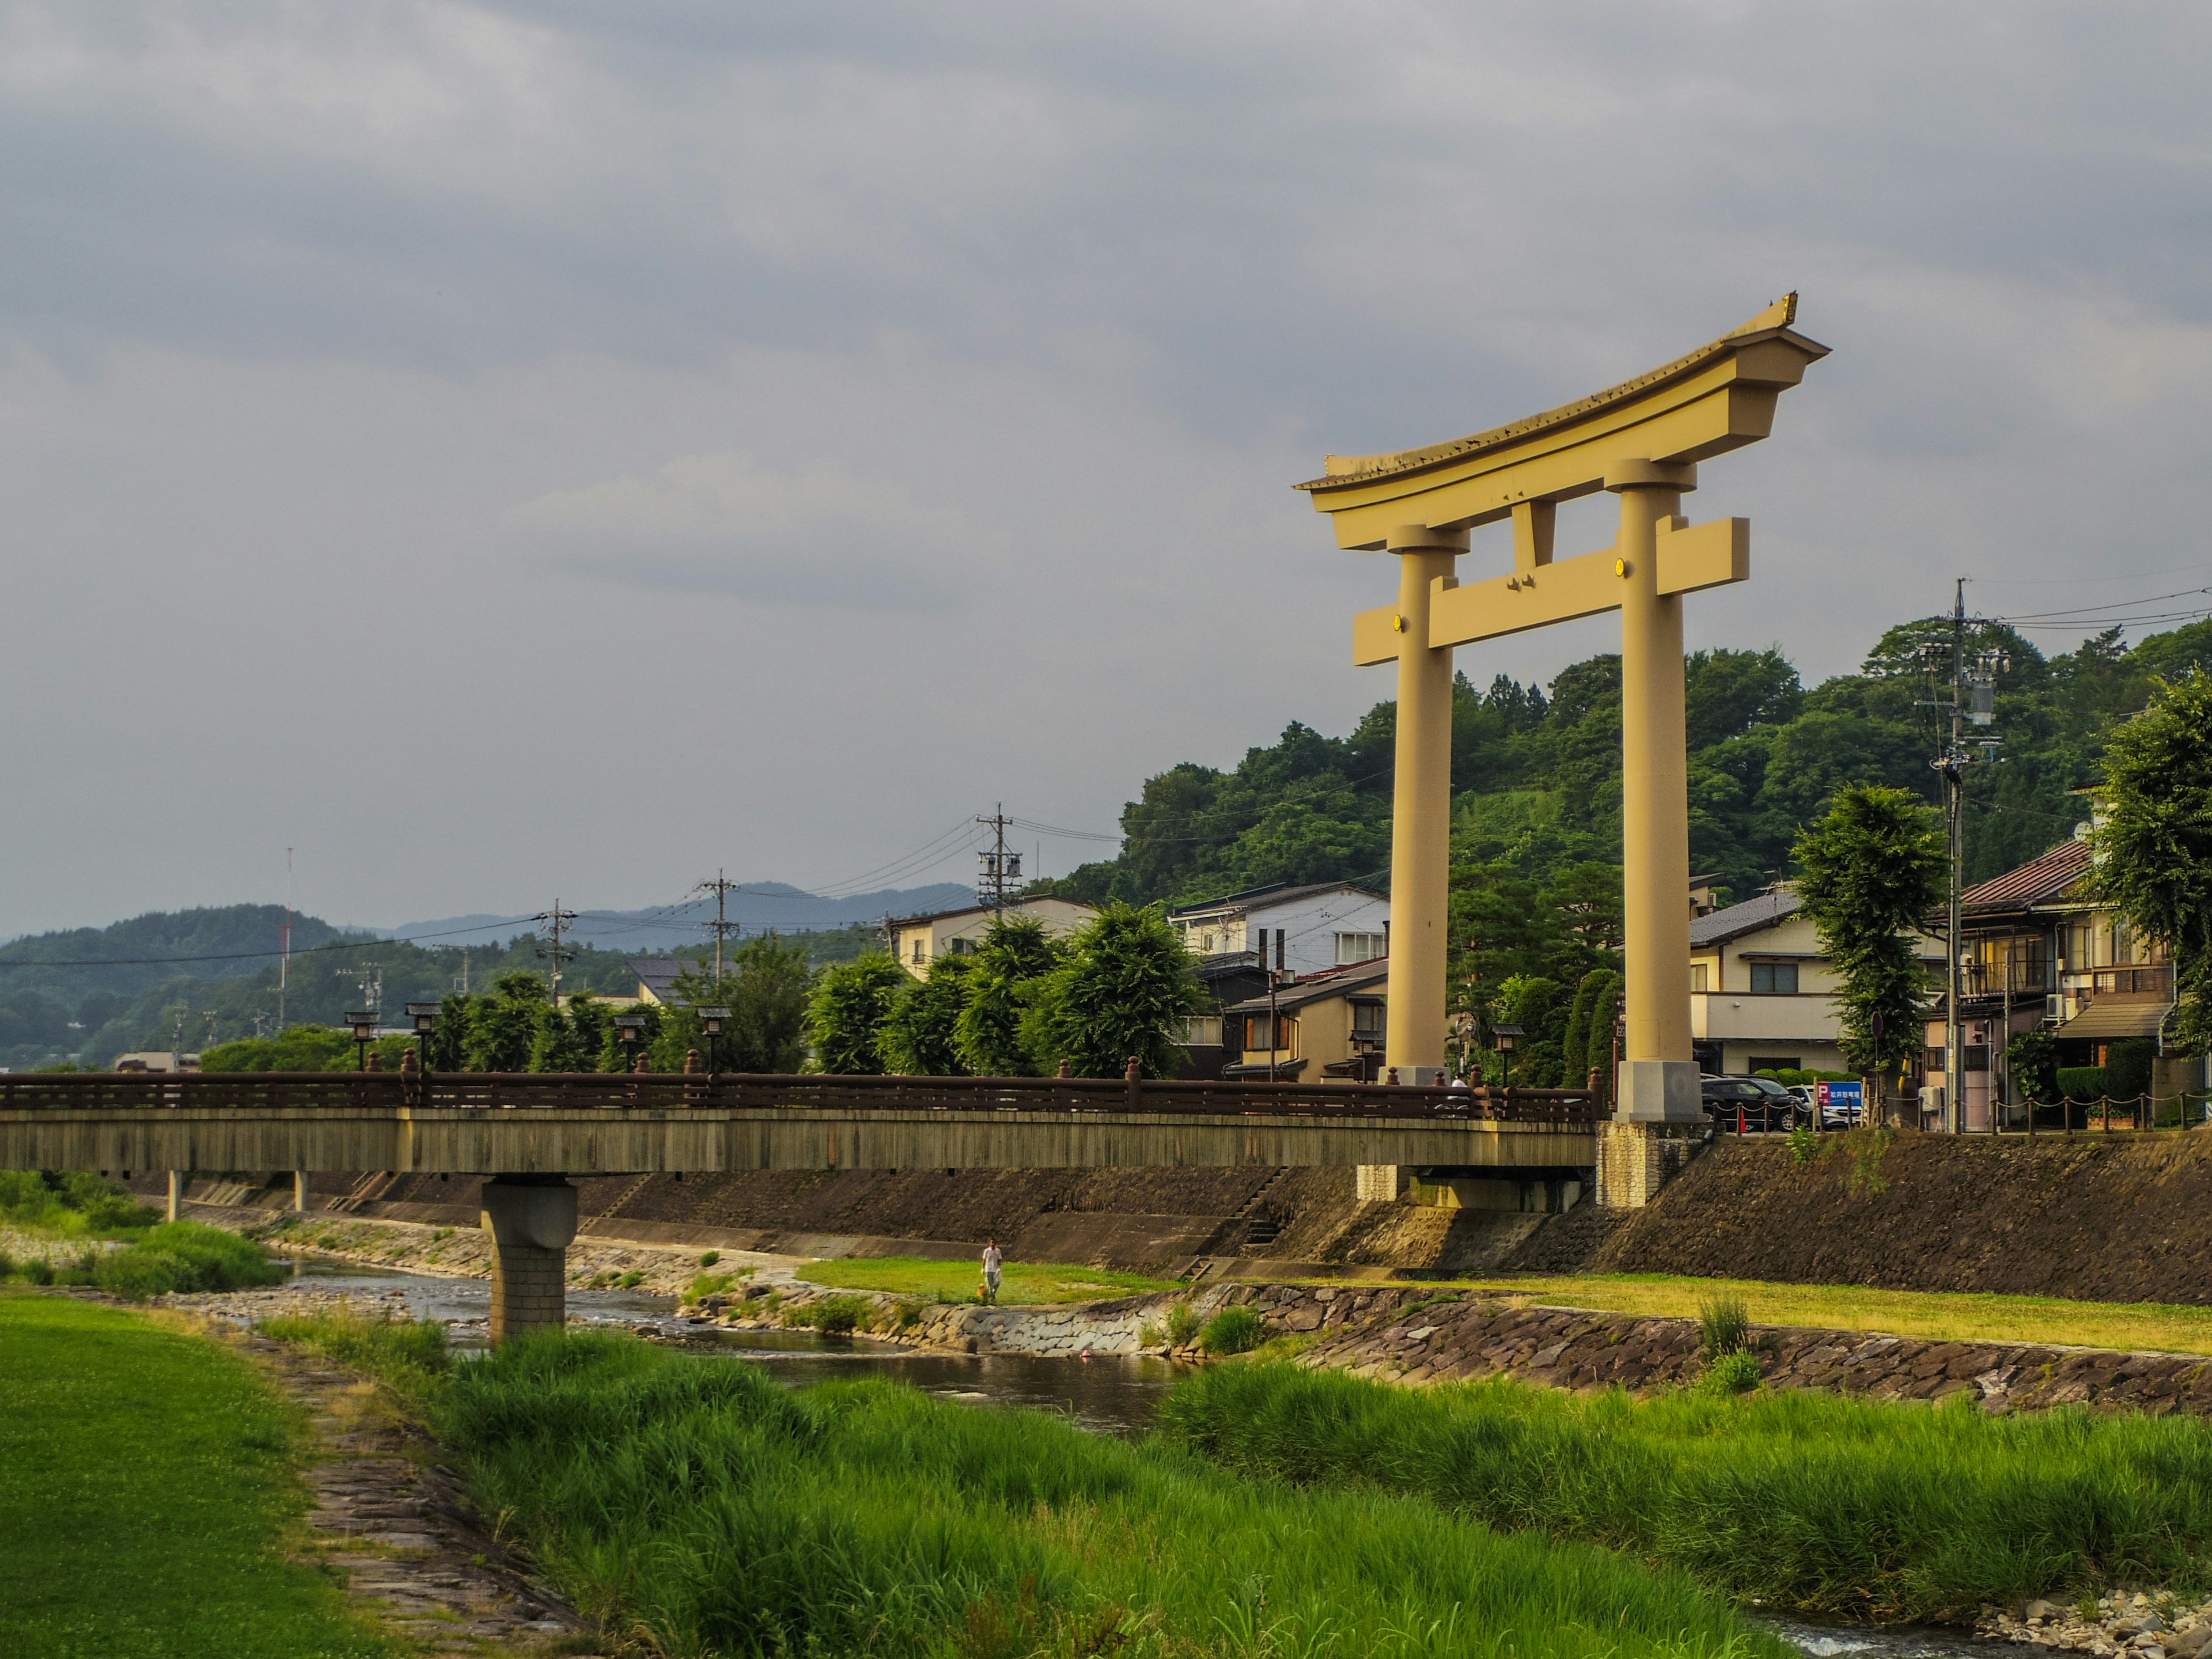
992, 1263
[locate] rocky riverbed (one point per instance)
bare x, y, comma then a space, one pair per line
2143, 1625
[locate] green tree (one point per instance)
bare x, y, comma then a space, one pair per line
1870, 870
1587, 900
845, 1014
2033, 1058
764, 987
449, 1032
1542, 1007
2153, 844
570, 1039
1123, 991
503, 1027
1015, 955
615, 1054
922, 1034
297, 1048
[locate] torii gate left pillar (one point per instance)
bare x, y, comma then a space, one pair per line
1642, 440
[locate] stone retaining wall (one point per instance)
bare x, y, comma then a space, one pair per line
1401, 1337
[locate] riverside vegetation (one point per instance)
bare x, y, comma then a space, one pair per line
698, 1507
1815, 1502
106, 1238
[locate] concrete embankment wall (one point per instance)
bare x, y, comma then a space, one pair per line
1398, 1335
2118, 1217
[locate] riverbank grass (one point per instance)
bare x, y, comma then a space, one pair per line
1948, 1317
1791, 1499
1024, 1283
146, 1485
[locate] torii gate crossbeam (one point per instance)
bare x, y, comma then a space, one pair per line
1642, 439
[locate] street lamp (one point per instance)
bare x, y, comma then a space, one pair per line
425, 1015
629, 1030
710, 1023
1504, 1037
363, 1023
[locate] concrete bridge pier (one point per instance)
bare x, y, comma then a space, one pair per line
532, 1218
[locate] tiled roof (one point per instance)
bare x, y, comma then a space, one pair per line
1748, 917
2037, 882
1278, 893
1319, 988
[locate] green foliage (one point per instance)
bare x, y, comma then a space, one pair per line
872, 1518
184, 1255
845, 1014
705, 1284
1864, 1148
408, 1356
297, 1049
503, 1027
921, 1035
1233, 1330
2082, 1083
764, 986
2128, 1067
2033, 1057
833, 1315
75, 1201
1734, 1371
1789, 1498
2153, 840
1869, 871
1122, 991
1723, 1326
1015, 956
710, 1258
1182, 1324
1804, 1144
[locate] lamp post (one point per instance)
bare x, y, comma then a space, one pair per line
362, 1022
1505, 1036
710, 1023
629, 1031
425, 1015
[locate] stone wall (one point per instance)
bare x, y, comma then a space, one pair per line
1403, 1336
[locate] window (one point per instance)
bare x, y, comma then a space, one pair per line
918, 956
1367, 1019
961, 947
1359, 947
1202, 1031
1774, 979
1698, 986
1257, 1029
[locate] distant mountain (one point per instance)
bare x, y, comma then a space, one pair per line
757, 906
130, 957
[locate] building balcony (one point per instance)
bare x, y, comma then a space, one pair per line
1741, 1017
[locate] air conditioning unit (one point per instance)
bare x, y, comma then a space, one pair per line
1931, 1100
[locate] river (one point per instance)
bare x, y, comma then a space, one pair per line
1110, 1396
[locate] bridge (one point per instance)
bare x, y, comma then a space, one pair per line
530, 1131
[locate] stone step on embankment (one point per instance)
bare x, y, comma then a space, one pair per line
1436, 1337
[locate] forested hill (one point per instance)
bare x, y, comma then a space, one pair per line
1536, 773
134, 956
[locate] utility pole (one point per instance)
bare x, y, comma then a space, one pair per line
1973, 696
554, 922
1002, 870
284, 943
720, 887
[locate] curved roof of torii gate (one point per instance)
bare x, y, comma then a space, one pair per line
1703, 404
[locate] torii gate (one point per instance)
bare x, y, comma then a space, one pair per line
1642, 439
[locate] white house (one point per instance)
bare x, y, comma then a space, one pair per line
1307, 930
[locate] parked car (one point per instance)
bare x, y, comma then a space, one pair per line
1749, 1104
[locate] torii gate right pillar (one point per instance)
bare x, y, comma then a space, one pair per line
1658, 1079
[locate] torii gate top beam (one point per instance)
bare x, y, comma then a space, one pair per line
1714, 399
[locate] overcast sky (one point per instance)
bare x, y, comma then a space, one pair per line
507, 451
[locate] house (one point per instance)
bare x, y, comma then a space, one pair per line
157, 1060
654, 975
917, 941
1762, 992
1327, 1024
1299, 929
2036, 954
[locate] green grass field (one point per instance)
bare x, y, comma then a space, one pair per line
1026, 1283
1946, 1315
147, 1484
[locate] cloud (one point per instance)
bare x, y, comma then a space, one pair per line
724, 524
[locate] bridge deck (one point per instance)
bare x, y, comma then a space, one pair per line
605, 1124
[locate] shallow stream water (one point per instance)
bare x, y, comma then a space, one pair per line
1113, 1395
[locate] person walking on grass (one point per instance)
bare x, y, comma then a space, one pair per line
993, 1262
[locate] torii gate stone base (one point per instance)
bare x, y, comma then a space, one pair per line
1642, 440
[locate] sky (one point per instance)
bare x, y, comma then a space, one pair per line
516, 453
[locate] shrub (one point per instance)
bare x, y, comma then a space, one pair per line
1149, 1335
1233, 1330
631, 1279
710, 1258
39, 1271
1804, 1145
6, 1265
2081, 1084
707, 1284
1182, 1324
1723, 1326
183, 1255
141, 1273
1735, 1371
833, 1315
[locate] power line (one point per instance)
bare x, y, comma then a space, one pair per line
555, 921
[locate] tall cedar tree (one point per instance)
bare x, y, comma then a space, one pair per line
1123, 991
846, 1013
1870, 870
2153, 844
921, 1035
1014, 959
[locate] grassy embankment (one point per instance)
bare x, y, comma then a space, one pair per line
1794, 1499
1028, 1284
146, 1491
697, 1500
68, 1221
1948, 1317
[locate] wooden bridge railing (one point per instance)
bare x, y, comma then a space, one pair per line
618, 1090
